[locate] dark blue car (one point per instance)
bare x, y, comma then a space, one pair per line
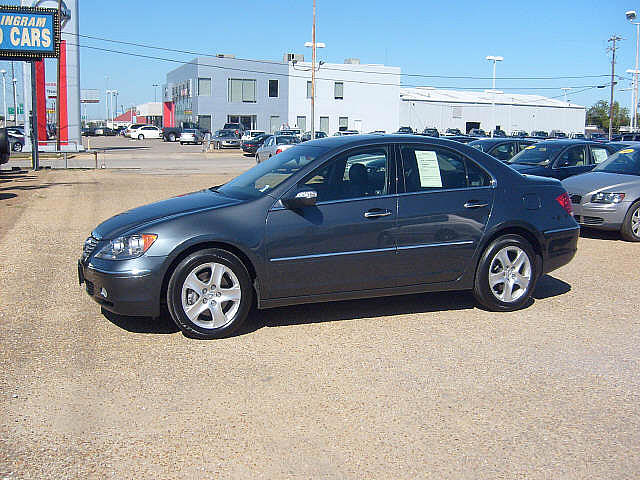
334, 219
560, 158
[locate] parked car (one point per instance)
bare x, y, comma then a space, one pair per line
405, 130
251, 145
519, 133
249, 134
225, 139
191, 135
498, 133
626, 137
289, 131
16, 142
274, 145
578, 136
560, 158
341, 133
461, 138
453, 131
599, 137
431, 132
608, 197
148, 131
558, 134
132, 129
306, 136
172, 134
477, 132
238, 128
539, 134
620, 145
88, 132
313, 224
501, 148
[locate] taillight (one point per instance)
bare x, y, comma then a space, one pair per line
278, 151
565, 202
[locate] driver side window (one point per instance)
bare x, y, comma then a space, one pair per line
572, 157
354, 174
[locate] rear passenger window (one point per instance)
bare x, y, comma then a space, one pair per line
426, 169
599, 154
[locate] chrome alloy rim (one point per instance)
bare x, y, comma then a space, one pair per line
510, 274
211, 295
635, 222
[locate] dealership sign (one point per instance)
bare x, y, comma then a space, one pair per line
28, 33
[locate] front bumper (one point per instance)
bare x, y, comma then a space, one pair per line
560, 247
125, 292
604, 216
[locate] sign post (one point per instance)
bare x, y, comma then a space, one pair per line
30, 34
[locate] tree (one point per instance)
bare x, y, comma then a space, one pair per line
598, 115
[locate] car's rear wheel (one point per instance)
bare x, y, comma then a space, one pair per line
210, 294
17, 147
631, 226
172, 137
140, 137
506, 274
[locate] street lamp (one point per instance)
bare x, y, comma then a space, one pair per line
4, 94
631, 16
494, 59
155, 91
314, 45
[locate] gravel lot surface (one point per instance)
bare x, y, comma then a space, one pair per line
422, 386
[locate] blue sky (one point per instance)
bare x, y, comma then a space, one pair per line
543, 38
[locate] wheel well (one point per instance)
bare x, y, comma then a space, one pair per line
201, 246
523, 232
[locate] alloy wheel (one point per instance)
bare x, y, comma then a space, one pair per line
211, 295
635, 222
510, 274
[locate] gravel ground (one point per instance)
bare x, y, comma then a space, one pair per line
422, 386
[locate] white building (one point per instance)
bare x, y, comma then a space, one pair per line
429, 107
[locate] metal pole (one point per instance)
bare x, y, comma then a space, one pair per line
613, 39
34, 119
15, 96
4, 95
313, 75
58, 81
634, 122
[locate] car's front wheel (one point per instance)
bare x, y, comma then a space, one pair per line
140, 137
210, 294
631, 226
506, 274
17, 147
172, 137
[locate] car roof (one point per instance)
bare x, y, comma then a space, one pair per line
366, 139
568, 141
494, 140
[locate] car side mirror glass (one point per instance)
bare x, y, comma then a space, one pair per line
305, 197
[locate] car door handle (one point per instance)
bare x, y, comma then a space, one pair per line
377, 212
475, 204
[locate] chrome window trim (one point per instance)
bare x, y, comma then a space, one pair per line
278, 205
440, 190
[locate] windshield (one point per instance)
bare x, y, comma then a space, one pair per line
264, 177
287, 140
540, 154
626, 161
226, 133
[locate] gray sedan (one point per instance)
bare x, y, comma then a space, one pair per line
274, 145
225, 138
608, 197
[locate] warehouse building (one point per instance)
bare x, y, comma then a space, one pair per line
423, 107
265, 95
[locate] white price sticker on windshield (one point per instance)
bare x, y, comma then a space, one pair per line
428, 169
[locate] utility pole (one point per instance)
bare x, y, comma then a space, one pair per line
58, 78
15, 95
313, 75
613, 47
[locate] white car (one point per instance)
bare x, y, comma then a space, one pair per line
249, 134
131, 129
147, 131
275, 144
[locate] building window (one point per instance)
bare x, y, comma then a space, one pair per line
338, 90
273, 88
324, 125
204, 122
242, 90
301, 123
308, 89
204, 86
343, 123
274, 123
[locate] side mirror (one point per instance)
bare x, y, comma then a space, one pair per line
4, 146
305, 197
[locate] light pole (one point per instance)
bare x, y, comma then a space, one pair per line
108, 95
634, 98
626, 90
564, 121
155, 91
631, 16
314, 45
114, 109
494, 59
4, 94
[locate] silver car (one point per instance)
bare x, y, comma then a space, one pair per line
608, 197
275, 144
190, 135
225, 139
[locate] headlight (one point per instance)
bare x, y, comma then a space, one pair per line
126, 248
606, 197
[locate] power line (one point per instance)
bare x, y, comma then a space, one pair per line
243, 70
416, 75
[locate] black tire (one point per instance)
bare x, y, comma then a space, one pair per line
181, 143
141, 137
178, 277
627, 226
172, 137
484, 293
17, 147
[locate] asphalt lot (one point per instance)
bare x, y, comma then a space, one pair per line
421, 386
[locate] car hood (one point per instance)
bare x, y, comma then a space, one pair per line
145, 216
593, 182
